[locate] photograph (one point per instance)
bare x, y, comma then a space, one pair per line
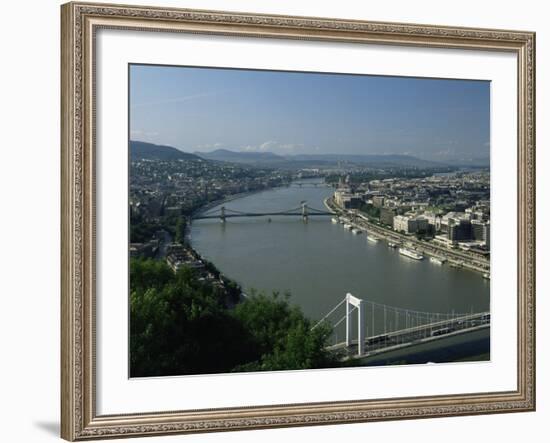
275, 221
282, 218
288, 220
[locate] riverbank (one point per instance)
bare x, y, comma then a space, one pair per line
454, 258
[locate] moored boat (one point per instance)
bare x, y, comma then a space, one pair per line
356, 231
372, 239
334, 220
438, 260
411, 254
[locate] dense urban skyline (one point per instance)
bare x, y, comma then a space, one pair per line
203, 109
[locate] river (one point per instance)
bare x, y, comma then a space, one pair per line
319, 262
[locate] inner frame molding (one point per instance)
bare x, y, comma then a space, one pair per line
80, 21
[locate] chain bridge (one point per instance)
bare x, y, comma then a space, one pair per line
224, 213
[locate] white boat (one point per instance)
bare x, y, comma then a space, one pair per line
392, 244
334, 220
438, 260
372, 239
487, 276
411, 254
347, 226
356, 231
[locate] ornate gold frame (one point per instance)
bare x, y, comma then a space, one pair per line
79, 420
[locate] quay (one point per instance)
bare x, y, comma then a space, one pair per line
453, 257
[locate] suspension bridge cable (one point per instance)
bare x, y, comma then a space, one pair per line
327, 315
419, 313
344, 317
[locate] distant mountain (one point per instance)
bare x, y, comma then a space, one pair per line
369, 159
150, 151
143, 150
225, 155
267, 159
473, 162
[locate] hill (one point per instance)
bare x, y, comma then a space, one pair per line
225, 155
143, 150
149, 151
269, 159
379, 160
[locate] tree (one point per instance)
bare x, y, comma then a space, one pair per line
180, 230
181, 325
142, 231
283, 335
372, 211
147, 273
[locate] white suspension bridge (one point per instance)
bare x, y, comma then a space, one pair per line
381, 328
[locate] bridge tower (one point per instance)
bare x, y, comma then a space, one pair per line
304, 212
358, 303
222, 214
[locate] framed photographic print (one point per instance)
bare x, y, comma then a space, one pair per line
282, 221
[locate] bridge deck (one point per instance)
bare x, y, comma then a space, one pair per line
412, 336
264, 214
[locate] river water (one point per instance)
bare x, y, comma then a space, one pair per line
319, 262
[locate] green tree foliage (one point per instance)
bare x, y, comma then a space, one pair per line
181, 325
180, 230
149, 274
370, 210
142, 231
282, 335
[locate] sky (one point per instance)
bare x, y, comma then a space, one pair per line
288, 113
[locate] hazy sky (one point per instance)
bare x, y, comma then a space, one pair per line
202, 109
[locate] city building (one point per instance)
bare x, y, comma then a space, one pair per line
178, 256
481, 231
459, 230
347, 200
378, 201
434, 220
386, 216
410, 225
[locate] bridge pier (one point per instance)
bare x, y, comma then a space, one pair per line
358, 303
222, 214
304, 212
